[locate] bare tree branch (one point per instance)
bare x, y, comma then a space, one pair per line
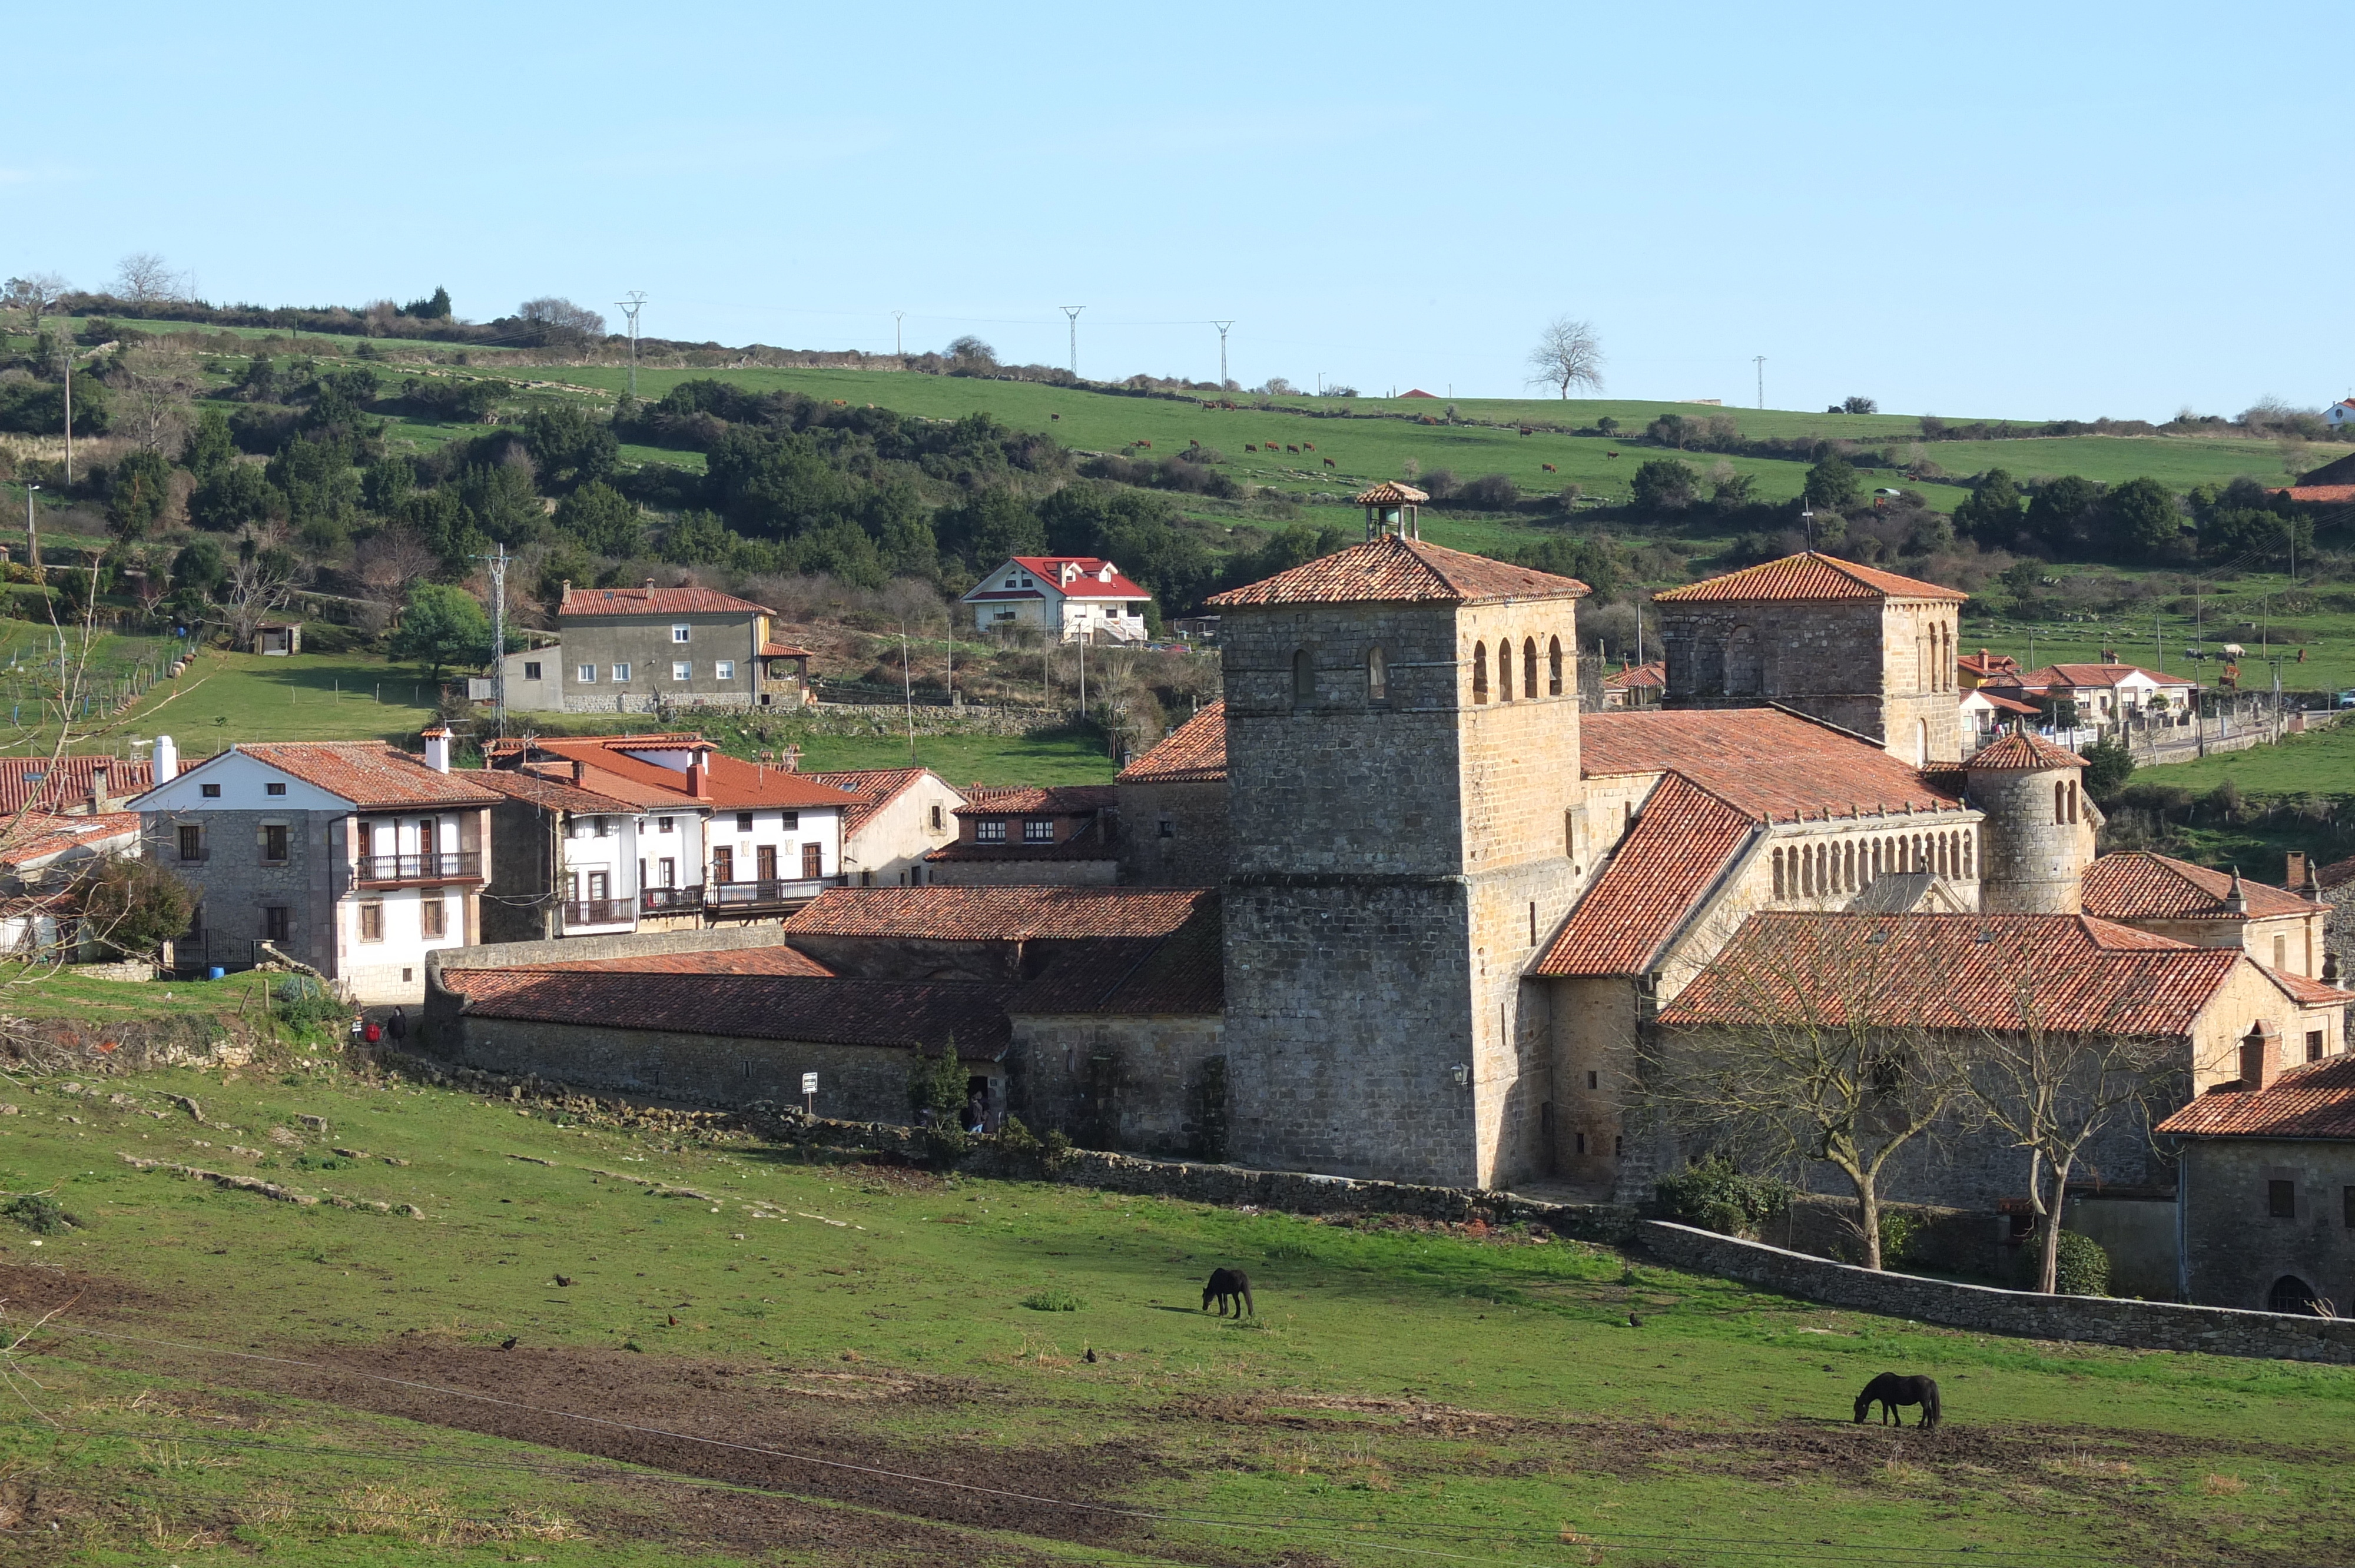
1568, 354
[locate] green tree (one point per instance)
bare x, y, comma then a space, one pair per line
2108, 765
1991, 513
441, 626
698, 539
501, 502
570, 445
134, 905
2061, 515
997, 523
2141, 519
138, 488
210, 446
200, 566
1833, 484
603, 519
1665, 484
936, 1082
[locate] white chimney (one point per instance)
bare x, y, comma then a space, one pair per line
167, 760
437, 749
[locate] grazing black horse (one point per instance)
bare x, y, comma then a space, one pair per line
1893, 1391
1229, 1284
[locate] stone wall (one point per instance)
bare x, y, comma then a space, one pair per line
1018, 870
2235, 1248
1174, 834
2101, 1321
1866, 665
1140, 1082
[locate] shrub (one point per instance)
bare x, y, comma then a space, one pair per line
1052, 1301
1713, 1194
2084, 1268
1493, 490
38, 1212
304, 1004
1902, 1233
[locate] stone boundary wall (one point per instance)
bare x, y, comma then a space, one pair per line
2095, 1319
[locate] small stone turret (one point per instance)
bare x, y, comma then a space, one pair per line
2038, 839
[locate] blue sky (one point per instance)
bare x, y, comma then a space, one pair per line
2031, 211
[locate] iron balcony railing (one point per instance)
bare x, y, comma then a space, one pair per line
767, 890
601, 912
671, 900
449, 866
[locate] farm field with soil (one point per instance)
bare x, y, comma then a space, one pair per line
604, 1344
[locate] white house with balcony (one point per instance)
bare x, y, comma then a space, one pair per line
348, 856
1069, 598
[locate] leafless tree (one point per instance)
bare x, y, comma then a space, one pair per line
559, 323
2055, 1093
1568, 354
259, 582
36, 294
144, 278
1811, 1053
154, 384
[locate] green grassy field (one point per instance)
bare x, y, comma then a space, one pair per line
2322, 763
235, 1379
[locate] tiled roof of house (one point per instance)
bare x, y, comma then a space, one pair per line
1644, 676
1400, 571
997, 913
735, 785
776, 960
2315, 1099
1763, 760
370, 774
2336, 873
1390, 491
2020, 752
36, 838
867, 790
2309, 992
547, 793
2096, 675
1984, 664
2069, 973
1811, 575
1050, 799
577, 603
2321, 494
1995, 698
1193, 753
1657, 880
1047, 571
53, 783
2138, 884
784, 650
1183, 972
830, 1010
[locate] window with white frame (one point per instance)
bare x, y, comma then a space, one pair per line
586, 675
621, 675
680, 633
680, 670
725, 670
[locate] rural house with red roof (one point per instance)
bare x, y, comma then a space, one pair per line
2265, 1185
2102, 694
644, 650
1060, 834
348, 856
1070, 599
1172, 807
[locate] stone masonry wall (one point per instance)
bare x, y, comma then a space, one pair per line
2235, 1248
1194, 849
2101, 1321
1121, 1082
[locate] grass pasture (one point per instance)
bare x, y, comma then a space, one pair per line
722, 1352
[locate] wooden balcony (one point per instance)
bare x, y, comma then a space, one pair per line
418, 869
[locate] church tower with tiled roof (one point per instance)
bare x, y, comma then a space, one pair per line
1867, 650
1404, 800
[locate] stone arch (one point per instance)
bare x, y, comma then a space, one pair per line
1504, 670
2059, 801
1921, 743
1852, 883
1529, 666
1778, 873
2291, 1294
1479, 671
1304, 677
1377, 673
1746, 674
1553, 667
1970, 855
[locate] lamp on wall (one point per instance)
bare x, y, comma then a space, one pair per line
1461, 1073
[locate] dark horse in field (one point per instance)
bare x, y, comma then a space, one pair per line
1893, 1391
1229, 1284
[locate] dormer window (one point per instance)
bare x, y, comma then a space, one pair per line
990, 830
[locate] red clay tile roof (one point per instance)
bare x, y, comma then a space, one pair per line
1657, 879
1811, 575
2138, 885
869, 790
784, 650
1985, 664
1183, 972
1049, 570
2334, 873
777, 960
735, 785
2022, 753
2322, 493
370, 774
1390, 491
2314, 1099
51, 783
2309, 992
1393, 570
1761, 760
35, 836
547, 793
1643, 676
1089, 842
1050, 799
823, 1011
997, 913
2097, 675
2070, 973
1996, 699
580, 603
1193, 753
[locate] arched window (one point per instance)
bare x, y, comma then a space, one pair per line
1921, 743
1970, 856
2291, 1294
1504, 670
1807, 872
1778, 875
1479, 671
1377, 674
2074, 808
2060, 802
1529, 667
1304, 678
1553, 660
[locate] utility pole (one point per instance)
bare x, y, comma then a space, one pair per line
1222, 327
1074, 312
897, 317
908, 688
32, 533
498, 564
630, 308
69, 352
1760, 360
